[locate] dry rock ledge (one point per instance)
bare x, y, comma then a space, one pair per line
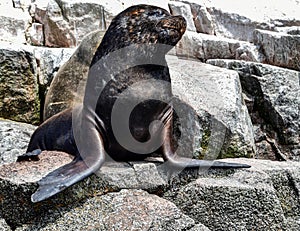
136, 196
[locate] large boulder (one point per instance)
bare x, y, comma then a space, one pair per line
25, 74
217, 120
273, 100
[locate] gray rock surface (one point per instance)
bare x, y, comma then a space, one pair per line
14, 138
274, 95
18, 84
245, 199
279, 48
215, 97
124, 210
49, 61
252, 199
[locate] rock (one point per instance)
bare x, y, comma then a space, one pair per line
250, 199
26, 72
19, 85
14, 138
17, 182
202, 19
275, 92
179, 8
66, 22
280, 49
219, 199
218, 110
124, 210
203, 47
35, 34
13, 23
4, 226
57, 31
49, 61
71, 77
233, 20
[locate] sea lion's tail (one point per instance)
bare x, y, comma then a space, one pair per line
61, 178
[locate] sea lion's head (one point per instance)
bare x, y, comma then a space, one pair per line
142, 24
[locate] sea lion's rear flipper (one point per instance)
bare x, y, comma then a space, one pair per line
182, 162
61, 178
30, 155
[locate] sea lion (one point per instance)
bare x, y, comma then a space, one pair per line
127, 112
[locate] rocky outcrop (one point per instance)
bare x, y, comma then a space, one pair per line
238, 20
65, 23
252, 109
273, 101
219, 199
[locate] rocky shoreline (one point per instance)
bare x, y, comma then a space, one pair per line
234, 73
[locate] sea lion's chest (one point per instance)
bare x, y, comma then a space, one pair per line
130, 103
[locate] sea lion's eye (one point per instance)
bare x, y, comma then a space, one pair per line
154, 13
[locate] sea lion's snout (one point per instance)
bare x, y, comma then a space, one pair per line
177, 23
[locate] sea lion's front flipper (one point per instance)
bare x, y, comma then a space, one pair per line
30, 155
61, 178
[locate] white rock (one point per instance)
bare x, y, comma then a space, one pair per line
280, 49
179, 8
